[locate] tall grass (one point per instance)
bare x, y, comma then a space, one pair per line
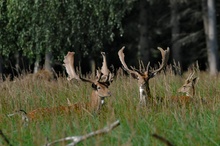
194, 124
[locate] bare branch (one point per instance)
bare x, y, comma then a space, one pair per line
76, 139
162, 139
5, 138
22, 113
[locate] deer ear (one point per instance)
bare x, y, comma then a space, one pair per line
107, 84
94, 86
135, 76
151, 75
195, 80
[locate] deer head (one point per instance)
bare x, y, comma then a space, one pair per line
144, 75
99, 85
189, 86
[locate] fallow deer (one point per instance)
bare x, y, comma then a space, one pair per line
188, 88
99, 92
143, 76
104, 77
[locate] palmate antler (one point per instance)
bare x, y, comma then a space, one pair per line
143, 76
100, 87
105, 72
165, 57
69, 66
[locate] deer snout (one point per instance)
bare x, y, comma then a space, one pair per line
109, 93
182, 89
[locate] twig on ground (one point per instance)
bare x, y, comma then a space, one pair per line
77, 139
164, 140
4, 138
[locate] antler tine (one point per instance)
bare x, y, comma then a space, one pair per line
69, 65
99, 75
121, 57
109, 78
165, 57
190, 76
86, 80
147, 68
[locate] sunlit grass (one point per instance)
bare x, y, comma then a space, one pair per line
193, 124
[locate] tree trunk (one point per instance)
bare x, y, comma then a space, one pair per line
92, 66
176, 47
1, 69
143, 48
47, 63
36, 64
17, 62
209, 20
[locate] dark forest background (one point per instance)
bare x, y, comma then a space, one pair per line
37, 34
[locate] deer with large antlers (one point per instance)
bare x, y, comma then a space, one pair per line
100, 85
143, 76
100, 91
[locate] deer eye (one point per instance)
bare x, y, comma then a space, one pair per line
98, 87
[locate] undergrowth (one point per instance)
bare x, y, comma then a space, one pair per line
196, 123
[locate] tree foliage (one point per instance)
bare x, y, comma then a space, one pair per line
90, 26
35, 27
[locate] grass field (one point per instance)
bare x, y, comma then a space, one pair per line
194, 124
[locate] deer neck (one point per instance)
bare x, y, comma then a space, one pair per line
144, 93
95, 101
191, 93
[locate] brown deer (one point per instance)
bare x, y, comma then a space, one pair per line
99, 92
188, 88
143, 76
104, 78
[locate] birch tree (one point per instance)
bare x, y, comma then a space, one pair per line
143, 46
175, 30
209, 20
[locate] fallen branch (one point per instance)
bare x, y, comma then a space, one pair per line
4, 138
162, 139
77, 139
